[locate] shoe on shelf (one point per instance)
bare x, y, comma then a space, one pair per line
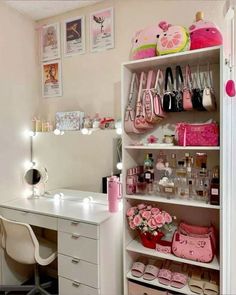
138, 267
152, 269
212, 287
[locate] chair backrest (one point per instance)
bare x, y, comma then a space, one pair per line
20, 242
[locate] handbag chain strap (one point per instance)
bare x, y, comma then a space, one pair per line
134, 81
188, 81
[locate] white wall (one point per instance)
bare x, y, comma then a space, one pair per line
18, 96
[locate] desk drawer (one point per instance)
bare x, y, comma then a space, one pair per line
30, 218
78, 270
78, 246
74, 288
76, 227
136, 289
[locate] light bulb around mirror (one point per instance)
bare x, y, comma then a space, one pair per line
57, 132
84, 131
119, 166
119, 131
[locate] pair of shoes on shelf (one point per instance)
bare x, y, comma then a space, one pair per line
204, 282
147, 269
173, 274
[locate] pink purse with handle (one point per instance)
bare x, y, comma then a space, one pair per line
187, 90
199, 134
130, 111
194, 242
140, 121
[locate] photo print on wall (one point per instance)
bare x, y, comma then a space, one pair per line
50, 42
74, 36
101, 30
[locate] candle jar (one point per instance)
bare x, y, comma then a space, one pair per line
168, 139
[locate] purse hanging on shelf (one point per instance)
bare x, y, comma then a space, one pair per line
148, 98
187, 90
178, 102
168, 102
208, 98
197, 91
140, 119
130, 111
157, 96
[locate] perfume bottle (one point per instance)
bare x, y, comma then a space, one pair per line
215, 188
149, 173
173, 161
141, 184
181, 170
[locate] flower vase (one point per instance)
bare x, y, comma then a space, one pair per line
149, 240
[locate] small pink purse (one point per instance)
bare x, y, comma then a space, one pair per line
194, 242
187, 90
199, 134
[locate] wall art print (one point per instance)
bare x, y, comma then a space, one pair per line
74, 36
101, 30
50, 42
51, 79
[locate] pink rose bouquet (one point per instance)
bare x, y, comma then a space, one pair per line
148, 219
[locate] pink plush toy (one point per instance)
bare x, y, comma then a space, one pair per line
204, 33
144, 42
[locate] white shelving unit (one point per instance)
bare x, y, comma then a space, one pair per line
193, 211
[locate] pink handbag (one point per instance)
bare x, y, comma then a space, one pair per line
152, 99
130, 112
194, 242
187, 90
199, 134
140, 121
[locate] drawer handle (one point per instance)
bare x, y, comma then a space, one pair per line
145, 293
74, 222
75, 284
75, 236
75, 260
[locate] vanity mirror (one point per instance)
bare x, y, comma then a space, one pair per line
36, 177
76, 161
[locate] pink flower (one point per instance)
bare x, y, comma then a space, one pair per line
149, 207
131, 224
152, 223
131, 211
152, 139
167, 217
160, 220
137, 220
155, 211
146, 215
141, 206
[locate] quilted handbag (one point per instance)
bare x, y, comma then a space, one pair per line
194, 243
168, 102
130, 111
197, 91
178, 107
199, 134
187, 90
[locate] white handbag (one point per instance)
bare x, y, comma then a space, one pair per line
208, 97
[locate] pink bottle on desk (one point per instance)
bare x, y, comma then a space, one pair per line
114, 193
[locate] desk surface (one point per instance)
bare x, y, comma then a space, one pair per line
73, 205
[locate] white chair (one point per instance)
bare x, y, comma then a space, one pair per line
21, 244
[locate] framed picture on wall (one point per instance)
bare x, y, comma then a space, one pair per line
51, 79
74, 36
101, 30
50, 42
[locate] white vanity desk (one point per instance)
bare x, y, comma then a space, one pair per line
89, 239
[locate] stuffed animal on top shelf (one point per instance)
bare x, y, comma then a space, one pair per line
172, 39
144, 42
204, 33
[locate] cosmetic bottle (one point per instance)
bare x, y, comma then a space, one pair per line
173, 161
215, 188
203, 170
181, 170
141, 185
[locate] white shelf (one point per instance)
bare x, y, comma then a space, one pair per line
210, 54
137, 247
173, 147
155, 283
159, 199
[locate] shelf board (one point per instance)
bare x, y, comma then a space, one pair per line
159, 199
155, 283
137, 247
210, 54
173, 147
